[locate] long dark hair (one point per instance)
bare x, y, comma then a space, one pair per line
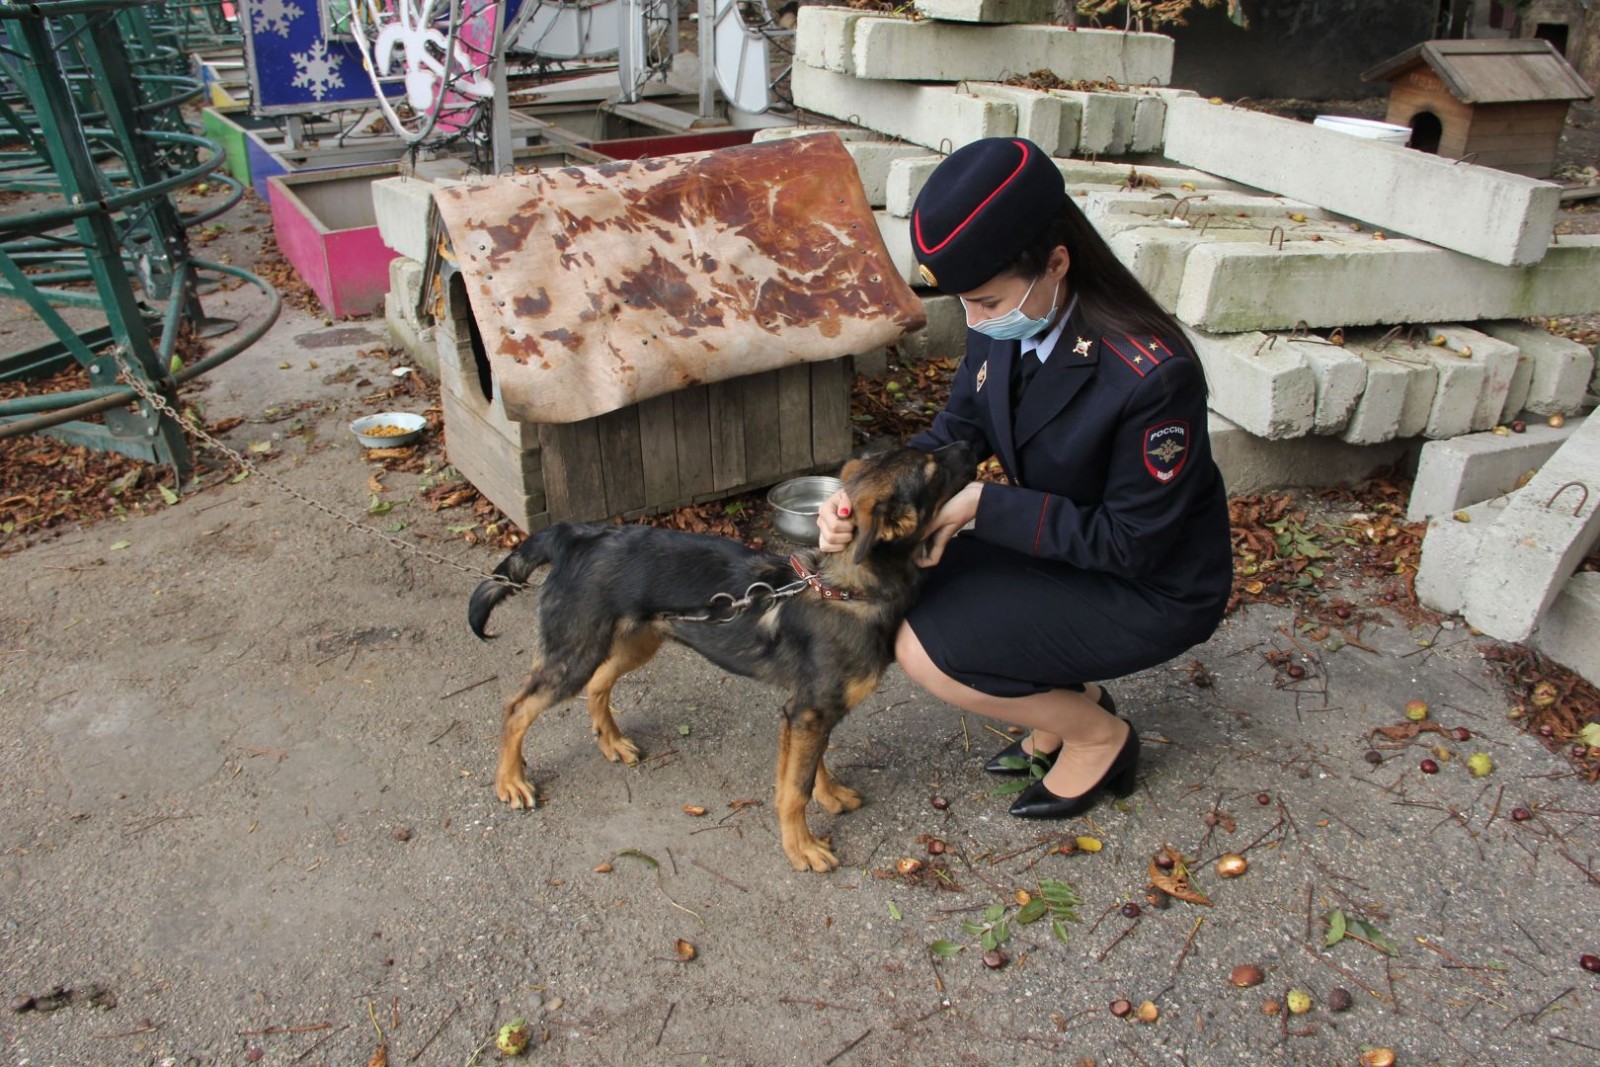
1110, 298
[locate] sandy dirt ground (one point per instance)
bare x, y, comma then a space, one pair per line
249, 818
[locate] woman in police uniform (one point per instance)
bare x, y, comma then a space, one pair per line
1108, 551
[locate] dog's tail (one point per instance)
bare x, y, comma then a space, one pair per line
511, 575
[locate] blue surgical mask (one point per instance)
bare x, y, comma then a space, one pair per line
1014, 325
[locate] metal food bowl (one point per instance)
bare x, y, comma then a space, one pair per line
388, 429
795, 504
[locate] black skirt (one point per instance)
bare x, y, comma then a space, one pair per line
1012, 625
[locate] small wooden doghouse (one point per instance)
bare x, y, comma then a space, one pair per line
1499, 103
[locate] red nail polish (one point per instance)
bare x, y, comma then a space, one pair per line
844, 512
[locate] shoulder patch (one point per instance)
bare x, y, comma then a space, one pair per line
1166, 449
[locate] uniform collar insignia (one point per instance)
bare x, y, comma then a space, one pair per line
983, 375
1081, 348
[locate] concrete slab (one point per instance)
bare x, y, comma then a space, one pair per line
896, 233
1475, 467
404, 208
925, 115
1490, 214
872, 164
1450, 545
1537, 542
900, 50
1231, 289
1570, 631
1108, 121
399, 314
1455, 396
1559, 369
990, 11
1499, 362
1380, 408
824, 37
1263, 385
945, 335
1043, 118
1157, 250
1341, 378
907, 177
1250, 464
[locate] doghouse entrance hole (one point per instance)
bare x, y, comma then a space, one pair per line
462, 306
1426, 130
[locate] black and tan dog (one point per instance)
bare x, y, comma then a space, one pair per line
614, 593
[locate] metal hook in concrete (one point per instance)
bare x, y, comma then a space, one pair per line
1563, 488
1301, 329
944, 151
1183, 205
1383, 342
1276, 232
1204, 222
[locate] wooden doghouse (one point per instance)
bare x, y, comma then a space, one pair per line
1499, 103
623, 338
686, 447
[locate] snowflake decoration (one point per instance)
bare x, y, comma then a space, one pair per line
274, 16
317, 70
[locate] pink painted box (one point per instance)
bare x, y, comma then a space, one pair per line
328, 231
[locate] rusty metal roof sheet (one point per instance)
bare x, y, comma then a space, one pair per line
1492, 71
597, 287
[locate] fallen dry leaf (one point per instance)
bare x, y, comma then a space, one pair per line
1175, 883
686, 951
1405, 731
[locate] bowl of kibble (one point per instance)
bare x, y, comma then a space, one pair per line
388, 429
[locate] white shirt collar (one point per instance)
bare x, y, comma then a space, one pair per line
1046, 344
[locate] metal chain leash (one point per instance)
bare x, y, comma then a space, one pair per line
160, 403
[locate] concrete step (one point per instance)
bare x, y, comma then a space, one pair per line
933, 116
1537, 542
1493, 215
1231, 288
1461, 471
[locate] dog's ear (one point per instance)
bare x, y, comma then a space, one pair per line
886, 520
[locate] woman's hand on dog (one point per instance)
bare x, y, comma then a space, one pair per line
960, 510
835, 530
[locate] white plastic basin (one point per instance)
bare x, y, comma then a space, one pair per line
1387, 132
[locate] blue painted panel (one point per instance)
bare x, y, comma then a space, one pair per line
296, 67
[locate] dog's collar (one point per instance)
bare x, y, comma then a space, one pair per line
816, 582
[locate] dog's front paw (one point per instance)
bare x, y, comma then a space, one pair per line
837, 798
813, 855
514, 788
618, 749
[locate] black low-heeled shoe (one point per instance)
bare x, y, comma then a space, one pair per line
1013, 759
1120, 779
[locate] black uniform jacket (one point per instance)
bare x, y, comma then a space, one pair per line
1109, 462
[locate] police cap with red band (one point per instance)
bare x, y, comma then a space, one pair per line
980, 209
